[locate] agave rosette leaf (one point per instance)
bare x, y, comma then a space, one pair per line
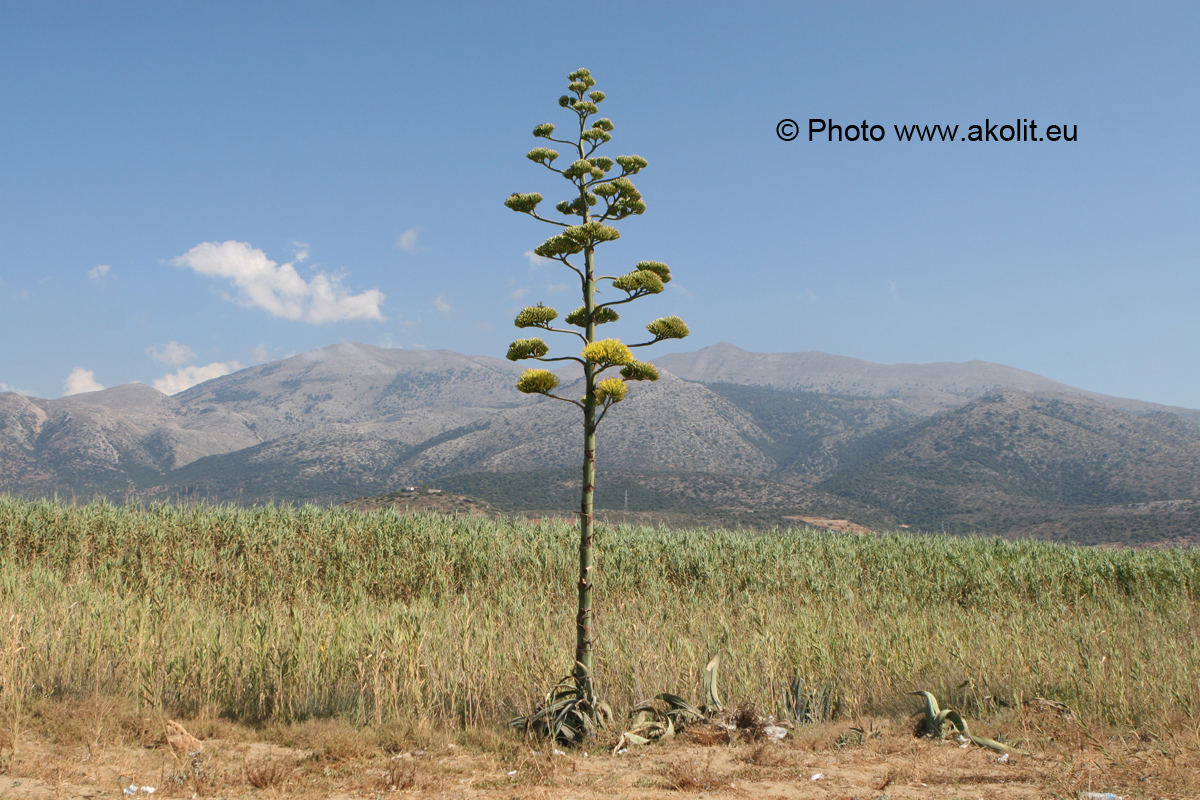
712, 700
678, 707
935, 719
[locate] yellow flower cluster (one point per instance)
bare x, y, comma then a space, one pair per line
612, 390
535, 316
536, 381
527, 348
608, 353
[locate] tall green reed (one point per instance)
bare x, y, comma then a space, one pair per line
287, 613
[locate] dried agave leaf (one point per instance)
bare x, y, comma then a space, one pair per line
712, 700
680, 707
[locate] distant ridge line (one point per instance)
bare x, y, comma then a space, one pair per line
930, 387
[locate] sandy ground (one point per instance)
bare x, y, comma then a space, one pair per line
829, 762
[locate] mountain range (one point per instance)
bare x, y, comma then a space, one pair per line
957, 447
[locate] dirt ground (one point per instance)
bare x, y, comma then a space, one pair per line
874, 759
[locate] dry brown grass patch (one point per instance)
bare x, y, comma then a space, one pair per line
327, 739
401, 737
1141, 763
400, 774
269, 774
1137, 764
684, 778
543, 765
689, 776
95, 722
213, 726
768, 754
6, 754
705, 735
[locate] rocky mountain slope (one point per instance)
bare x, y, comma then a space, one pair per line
108, 441
1010, 460
355, 383
131, 437
925, 388
961, 446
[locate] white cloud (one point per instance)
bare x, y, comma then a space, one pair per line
441, 305
277, 288
81, 380
4, 387
98, 273
172, 353
187, 377
535, 260
519, 293
300, 252
260, 353
557, 287
408, 239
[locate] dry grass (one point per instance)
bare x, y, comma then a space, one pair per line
690, 776
270, 773
1067, 758
96, 722
326, 739
770, 754
379, 618
399, 775
353, 637
8, 743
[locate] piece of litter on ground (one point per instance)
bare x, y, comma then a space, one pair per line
623, 751
775, 732
1003, 759
514, 772
817, 777
559, 753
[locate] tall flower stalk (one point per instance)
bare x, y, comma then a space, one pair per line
598, 197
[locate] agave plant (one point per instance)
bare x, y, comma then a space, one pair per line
935, 721
600, 196
809, 706
667, 714
565, 716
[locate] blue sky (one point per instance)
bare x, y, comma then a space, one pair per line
370, 147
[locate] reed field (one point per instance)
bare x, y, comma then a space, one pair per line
285, 614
